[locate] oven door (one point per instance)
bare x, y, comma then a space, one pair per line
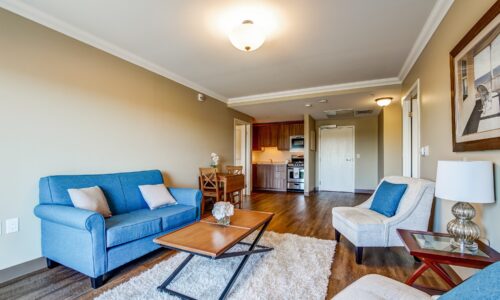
295, 174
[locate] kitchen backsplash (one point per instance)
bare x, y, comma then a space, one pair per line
271, 153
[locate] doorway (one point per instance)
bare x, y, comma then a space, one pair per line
336, 158
243, 151
411, 131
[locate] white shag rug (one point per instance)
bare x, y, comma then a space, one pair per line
297, 268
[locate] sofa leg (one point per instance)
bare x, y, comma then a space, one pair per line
359, 255
97, 282
337, 235
51, 264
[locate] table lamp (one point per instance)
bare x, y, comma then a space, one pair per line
465, 181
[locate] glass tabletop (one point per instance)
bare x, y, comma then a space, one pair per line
441, 243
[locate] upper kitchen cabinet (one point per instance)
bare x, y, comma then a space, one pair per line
284, 137
275, 134
297, 129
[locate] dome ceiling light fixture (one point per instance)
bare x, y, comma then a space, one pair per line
247, 36
384, 101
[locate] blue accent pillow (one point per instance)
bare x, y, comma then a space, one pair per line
387, 198
484, 285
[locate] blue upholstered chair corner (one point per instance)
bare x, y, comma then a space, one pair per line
86, 242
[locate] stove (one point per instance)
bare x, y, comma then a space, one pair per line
295, 176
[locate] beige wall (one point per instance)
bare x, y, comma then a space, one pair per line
309, 155
366, 144
68, 108
392, 139
433, 70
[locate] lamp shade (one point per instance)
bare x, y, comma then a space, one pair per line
465, 181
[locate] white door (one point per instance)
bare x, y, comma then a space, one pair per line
411, 132
242, 151
337, 159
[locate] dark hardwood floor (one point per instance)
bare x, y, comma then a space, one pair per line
307, 216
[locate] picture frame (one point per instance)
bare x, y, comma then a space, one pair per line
475, 86
312, 140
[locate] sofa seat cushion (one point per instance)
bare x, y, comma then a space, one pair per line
174, 216
359, 218
121, 229
379, 287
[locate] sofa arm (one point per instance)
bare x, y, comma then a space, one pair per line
74, 237
187, 196
70, 216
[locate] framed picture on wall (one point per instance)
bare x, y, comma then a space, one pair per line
475, 86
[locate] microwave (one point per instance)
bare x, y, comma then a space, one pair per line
297, 143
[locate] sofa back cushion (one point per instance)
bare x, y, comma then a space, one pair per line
121, 189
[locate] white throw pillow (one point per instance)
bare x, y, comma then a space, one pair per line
156, 195
91, 198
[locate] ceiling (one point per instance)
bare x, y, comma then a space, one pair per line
287, 110
312, 45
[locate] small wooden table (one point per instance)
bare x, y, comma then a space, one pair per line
208, 239
231, 183
434, 249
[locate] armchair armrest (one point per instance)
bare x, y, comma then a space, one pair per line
70, 216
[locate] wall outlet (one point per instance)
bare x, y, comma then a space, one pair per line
11, 225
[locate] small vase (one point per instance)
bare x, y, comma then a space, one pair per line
224, 221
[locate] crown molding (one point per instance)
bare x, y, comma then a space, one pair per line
267, 97
431, 24
31, 13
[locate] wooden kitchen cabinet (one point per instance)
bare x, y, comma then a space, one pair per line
297, 129
284, 137
256, 138
275, 135
270, 177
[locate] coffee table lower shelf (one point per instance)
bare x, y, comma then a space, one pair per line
254, 248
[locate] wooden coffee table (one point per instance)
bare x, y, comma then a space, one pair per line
434, 249
208, 239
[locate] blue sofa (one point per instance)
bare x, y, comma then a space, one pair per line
84, 241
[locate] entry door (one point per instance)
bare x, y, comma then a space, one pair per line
337, 159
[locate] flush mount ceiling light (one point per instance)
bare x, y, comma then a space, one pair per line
247, 36
323, 101
384, 101
308, 105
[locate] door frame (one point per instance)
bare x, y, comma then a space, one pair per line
321, 128
248, 152
411, 164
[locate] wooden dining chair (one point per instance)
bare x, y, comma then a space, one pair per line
210, 186
236, 170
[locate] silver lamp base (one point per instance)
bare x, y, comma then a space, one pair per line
462, 229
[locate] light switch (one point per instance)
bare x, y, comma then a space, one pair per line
11, 225
424, 151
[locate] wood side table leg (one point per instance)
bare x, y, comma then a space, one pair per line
442, 273
417, 274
